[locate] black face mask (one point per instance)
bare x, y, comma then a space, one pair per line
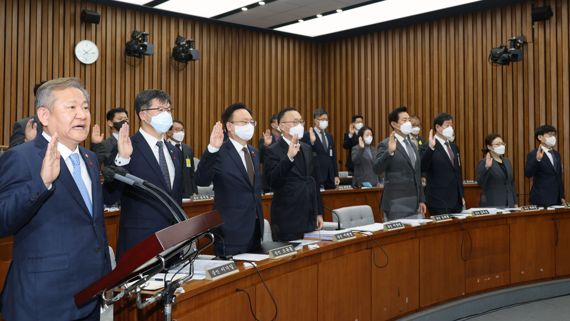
117, 125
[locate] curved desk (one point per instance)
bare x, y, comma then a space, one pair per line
388, 274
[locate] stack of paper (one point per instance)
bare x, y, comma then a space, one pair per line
324, 235
374, 227
413, 222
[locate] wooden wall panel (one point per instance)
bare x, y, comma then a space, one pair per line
442, 66
430, 67
264, 70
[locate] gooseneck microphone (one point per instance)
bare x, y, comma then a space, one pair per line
111, 173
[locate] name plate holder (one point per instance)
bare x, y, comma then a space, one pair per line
343, 236
393, 226
481, 213
528, 208
221, 271
281, 252
441, 218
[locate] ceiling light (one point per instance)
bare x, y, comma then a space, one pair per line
300, 20
244, 9
374, 13
319, 15
203, 8
338, 10
261, 3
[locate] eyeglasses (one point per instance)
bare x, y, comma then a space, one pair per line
160, 109
294, 122
244, 122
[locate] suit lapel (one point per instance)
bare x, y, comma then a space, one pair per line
403, 151
439, 147
148, 156
94, 176
69, 183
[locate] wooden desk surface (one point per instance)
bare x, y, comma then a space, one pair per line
386, 275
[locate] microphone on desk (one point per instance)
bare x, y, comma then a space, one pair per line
120, 174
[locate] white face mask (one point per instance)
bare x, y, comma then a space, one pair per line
406, 128
178, 136
415, 130
244, 132
161, 122
551, 141
368, 140
323, 124
298, 131
358, 126
499, 150
448, 133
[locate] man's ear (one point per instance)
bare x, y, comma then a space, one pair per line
43, 115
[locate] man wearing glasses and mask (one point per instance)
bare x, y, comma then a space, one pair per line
151, 157
233, 167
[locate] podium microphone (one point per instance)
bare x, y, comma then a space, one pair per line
120, 174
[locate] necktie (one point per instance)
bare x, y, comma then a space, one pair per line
324, 139
450, 153
248, 164
162, 163
79, 181
178, 146
411, 151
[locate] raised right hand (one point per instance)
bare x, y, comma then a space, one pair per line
431, 139
312, 136
488, 160
352, 129
539, 154
124, 145
96, 136
267, 137
392, 143
51, 164
360, 142
31, 130
293, 147
217, 136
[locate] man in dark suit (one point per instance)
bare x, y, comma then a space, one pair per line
233, 167
351, 139
289, 165
399, 161
153, 159
116, 117
546, 172
442, 166
270, 137
51, 202
322, 144
176, 137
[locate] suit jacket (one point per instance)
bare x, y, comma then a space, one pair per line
141, 213
262, 148
444, 190
325, 159
237, 200
105, 150
402, 181
363, 166
547, 184
497, 189
296, 196
59, 248
348, 144
188, 168
19, 131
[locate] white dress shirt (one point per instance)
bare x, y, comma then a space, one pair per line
547, 152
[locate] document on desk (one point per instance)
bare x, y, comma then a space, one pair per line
491, 210
413, 222
374, 227
324, 235
253, 257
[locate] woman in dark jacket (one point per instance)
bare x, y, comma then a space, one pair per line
495, 175
363, 156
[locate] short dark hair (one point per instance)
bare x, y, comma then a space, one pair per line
364, 129
394, 115
489, 141
354, 117
142, 100
111, 113
283, 111
273, 117
175, 121
319, 112
441, 118
543, 130
227, 115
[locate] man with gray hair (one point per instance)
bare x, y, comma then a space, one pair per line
51, 202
